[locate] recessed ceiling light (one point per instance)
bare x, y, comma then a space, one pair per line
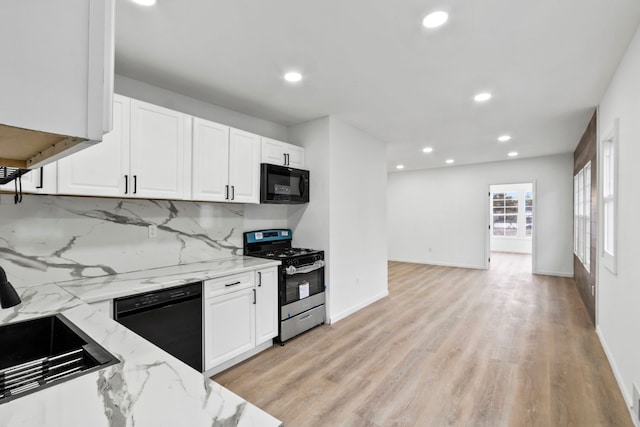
449, 161
435, 19
504, 138
427, 150
482, 97
400, 167
513, 154
293, 76
145, 2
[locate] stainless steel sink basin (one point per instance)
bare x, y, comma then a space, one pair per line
42, 352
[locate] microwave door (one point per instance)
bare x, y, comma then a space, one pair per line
284, 185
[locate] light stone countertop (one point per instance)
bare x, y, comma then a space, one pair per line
118, 285
149, 387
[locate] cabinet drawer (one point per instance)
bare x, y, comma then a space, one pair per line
230, 283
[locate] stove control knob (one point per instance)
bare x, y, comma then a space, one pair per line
295, 262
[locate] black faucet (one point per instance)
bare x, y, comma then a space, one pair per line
8, 295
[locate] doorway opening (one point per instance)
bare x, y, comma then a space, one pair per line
511, 224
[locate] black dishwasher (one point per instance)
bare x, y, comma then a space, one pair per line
169, 318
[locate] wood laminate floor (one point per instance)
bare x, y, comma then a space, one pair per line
449, 346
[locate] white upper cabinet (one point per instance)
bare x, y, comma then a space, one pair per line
160, 152
226, 163
244, 167
147, 155
38, 181
101, 170
56, 78
282, 153
210, 167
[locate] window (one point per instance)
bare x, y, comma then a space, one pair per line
505, 214
528, 213
609, 197
582, 215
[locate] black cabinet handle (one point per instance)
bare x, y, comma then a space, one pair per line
126, 184
259, 278
226, 192
232, 284
285, 158
233, 192
135, 184
254, 296
39, 186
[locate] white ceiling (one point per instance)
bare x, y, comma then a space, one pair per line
371, 64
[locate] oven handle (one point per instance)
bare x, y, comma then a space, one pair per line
291, 270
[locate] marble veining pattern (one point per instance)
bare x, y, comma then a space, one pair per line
49, 239
109, 287
148, 388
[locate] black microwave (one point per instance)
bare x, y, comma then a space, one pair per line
283, 185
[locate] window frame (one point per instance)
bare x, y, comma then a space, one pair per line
582, 184
608, 183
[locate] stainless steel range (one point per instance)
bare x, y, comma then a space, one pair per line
301, 287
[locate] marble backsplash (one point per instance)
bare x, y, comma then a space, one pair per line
50, 238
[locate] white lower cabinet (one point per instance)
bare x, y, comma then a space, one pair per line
267, 304
240, 314
229, 326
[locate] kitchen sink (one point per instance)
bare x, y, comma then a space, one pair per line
42, 352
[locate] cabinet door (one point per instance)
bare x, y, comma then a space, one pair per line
282, 153
229, 328
295, 156
244, 167
100, 170
210, 173
266, 304
158, 147
273, 152
40, 180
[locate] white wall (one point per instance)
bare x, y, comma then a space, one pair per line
516, 244
440, 216
347, 213
358, 219
618, 298
155, 95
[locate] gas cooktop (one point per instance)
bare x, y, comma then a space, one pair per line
284, 253
276, 244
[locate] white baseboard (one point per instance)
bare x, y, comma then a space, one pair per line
442, 264
339, 316
616, 373
554, 273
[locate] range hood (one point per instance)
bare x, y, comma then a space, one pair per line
57, 79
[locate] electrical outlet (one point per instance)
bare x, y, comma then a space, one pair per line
153, 231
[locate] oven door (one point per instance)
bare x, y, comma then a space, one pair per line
283, 185
301, 285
